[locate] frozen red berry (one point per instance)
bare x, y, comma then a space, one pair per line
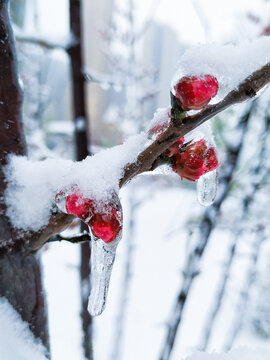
189, 166
80, 206
195, 92
197, 159
105, 221
107, 225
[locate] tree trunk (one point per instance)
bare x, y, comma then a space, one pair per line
20, 280
81, 123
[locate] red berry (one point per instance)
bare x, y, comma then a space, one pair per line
211, 160
189, 166
194, 93
175, 148
78, 205
105, 221
107, 225
266, 31
195, 161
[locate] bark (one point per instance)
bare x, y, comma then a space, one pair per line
20, 280
81, 139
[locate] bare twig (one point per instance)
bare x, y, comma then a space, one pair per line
80, 238
44, 43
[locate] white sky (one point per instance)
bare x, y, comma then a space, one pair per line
220, 17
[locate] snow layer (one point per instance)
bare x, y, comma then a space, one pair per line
236, 354
161, 117
16, 340
230, 63
32, 185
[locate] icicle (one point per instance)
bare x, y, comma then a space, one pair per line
207, 188
102, 259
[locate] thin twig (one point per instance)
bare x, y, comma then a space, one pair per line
80, 238
46, 44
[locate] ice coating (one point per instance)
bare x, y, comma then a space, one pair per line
229, 63
102, 259
207, 186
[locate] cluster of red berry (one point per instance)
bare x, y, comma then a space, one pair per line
191, 160
105, 222
195, 160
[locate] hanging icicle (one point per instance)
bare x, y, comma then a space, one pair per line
207, 188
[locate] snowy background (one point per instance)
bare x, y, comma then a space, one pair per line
161, 213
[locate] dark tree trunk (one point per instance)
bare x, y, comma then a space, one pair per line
81, 126
20, 280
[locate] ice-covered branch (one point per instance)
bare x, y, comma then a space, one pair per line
247, 90
149, 158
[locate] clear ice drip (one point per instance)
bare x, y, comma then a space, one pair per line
207, 188
102, 259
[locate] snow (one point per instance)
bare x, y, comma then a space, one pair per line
229, 63
32, 185
16, 340
236, 354
161, 117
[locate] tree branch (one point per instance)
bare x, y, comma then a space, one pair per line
80, 238
148, 159
247, 90
46, 44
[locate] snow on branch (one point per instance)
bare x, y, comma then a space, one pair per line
247, 90
102, 175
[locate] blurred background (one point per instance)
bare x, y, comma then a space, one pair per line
186, 277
